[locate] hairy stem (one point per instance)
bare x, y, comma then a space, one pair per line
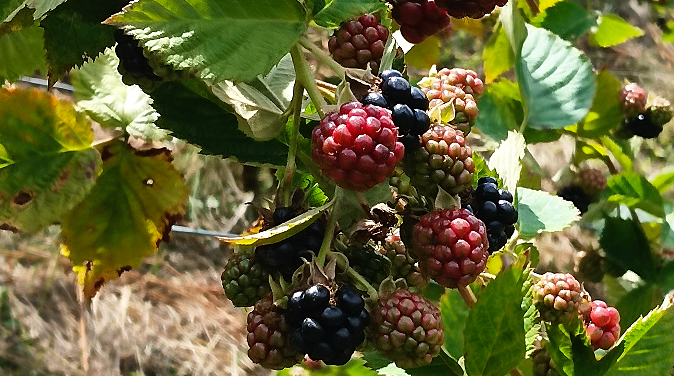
306, 78
467, 296
330, 228
323, 57
285, 190
371, 291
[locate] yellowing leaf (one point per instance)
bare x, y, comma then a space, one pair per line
424, 54
469, 25
125, 216
47, 164
280, 232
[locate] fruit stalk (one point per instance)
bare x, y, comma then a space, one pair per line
323, 57
371, 291
305, 77
467, 296
330, 228
285, 188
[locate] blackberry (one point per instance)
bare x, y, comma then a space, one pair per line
269, 336
602, 325
470, 8
403, 264
557, 296
359, 42
244, 280
286, 256
408, 105
576, 195
642, 125
327, 329
494, 207
633, 99
357, 147
369, 263
133, 65
419, 19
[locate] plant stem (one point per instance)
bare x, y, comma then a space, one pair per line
323, 57
371, 291
467, 296
286, 185
516, 372
534, 7
330, 228
306, 78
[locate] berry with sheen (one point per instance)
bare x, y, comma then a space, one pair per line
359, 42
419, 19
358, 146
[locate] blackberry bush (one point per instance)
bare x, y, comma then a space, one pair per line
359, 42
245, 280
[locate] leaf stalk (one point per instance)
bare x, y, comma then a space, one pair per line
306, 78
323, 57
330, 228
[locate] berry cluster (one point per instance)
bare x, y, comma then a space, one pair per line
602, 325
268, 336
359, 42
442, 160
460, 87
327, 329
358, 146
592, 181
244, 280
369, 263
470, 8
495, 208
452, 246
641, 118
286, 256
419, 19
557, 296
408, 105
407, 328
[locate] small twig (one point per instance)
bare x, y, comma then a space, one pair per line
286, 184
534, 7
467, 296
83, 330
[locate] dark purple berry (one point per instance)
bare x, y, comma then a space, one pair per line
505, 195
312, 330
396, 90
376, 99
342, 339
422, 122
487, 179
332, 317
385, 75
281, 215
403, 118
350, 301
488, 212
506, 212
418, 99
315, 297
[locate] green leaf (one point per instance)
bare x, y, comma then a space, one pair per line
556, 80
637, 303
664, 181
47, 164
542, 212
514, 27
192, 113
481, 170
454, 315
73, 32
621, 152
560, 349
605, 113
532, 323
22, 53
260, 104
635, 191
586, 150
614, 30
625, 244
494, 330
11, 7
126, 215
648, 344
99, 90
498, 56
507, 159
441, 365
500, 109
23, 19
279, 232
355, 367
337, 11
216, 39
566, 19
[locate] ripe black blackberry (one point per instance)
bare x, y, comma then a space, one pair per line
642, 125
324, 328
408, 105
494, 207
576, 195
133, 65
285, 256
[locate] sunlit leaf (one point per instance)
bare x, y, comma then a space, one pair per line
507, 159
47, 164
130, 210
540, 211
22, 53
614, 30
